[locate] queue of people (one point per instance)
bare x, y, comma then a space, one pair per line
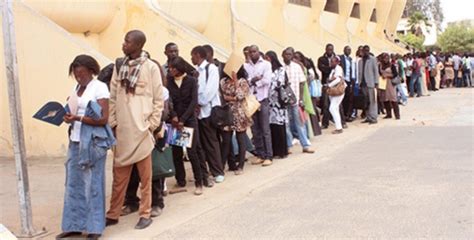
141, 97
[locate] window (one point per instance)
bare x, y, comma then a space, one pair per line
332, 6
373, 17
355, 13
306, 3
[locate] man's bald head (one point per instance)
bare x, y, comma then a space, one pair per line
137, 37
133, 43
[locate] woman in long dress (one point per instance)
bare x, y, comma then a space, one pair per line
449, 71
388, 71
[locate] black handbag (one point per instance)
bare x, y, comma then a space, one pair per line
286, 96
222, 116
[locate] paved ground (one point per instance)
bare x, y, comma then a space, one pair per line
397, 179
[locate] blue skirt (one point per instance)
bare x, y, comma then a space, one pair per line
84, 197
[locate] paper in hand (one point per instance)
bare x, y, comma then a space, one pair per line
233, 64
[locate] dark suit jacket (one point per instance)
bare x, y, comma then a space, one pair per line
183, 99
343, 65
324, 67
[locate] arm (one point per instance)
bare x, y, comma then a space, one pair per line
267, 76
192, 106
157, 91
113, 99
337, 76
375, 70
242, 90
212, 87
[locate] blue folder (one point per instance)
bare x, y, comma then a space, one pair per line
51, 112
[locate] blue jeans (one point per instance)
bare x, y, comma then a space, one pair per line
403, 97
415, 78
84, 197
467, 77
297, 126
457, 81
235, 145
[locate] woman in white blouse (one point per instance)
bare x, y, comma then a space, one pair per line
334, 78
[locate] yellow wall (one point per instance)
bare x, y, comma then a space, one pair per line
50, 33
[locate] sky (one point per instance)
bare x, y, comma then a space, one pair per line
455, 10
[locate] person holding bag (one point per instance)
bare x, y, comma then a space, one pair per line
336, 89
234, 91
388, 71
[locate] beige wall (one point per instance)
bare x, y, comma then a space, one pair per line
49, 37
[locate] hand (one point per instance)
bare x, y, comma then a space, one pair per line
175, 122
234, 76
69, 118
255, 79
180, 126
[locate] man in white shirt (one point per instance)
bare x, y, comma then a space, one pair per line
295, 76
208, 97
260, 76
456, 65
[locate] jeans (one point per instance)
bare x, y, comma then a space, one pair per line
84, 197
403, 97
335, 111
261, 134
415, 79
467, 78
248, 144
296, 125
457, 81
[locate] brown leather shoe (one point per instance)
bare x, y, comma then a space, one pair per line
177, 189
337, 131
308, 150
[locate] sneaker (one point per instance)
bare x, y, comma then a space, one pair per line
198, 191
308, 150
257, 161
267, 163
156, 211
219, 179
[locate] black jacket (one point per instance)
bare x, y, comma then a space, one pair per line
343, 65
325, 68
183, 99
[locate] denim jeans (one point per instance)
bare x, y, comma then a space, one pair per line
415, 78
84, 197
235, 145
403, 97
297, 126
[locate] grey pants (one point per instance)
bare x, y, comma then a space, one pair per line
372, 111
262, 138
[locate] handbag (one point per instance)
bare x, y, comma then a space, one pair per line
222, 116
162, 163
286, 96
251, 105
337, 90
396, 80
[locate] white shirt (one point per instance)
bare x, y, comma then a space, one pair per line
295, 77
94, 91
208, 91
338, 73
261, 68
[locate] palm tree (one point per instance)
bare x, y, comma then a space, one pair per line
417, 22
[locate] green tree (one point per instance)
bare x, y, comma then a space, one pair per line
457, 38
413, 41
416, 22
430, 8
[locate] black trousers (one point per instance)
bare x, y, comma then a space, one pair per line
210, 149
193, 158
157, 188
325, 109
348, 101
227, 153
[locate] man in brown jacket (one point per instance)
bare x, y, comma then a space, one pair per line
136, 105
